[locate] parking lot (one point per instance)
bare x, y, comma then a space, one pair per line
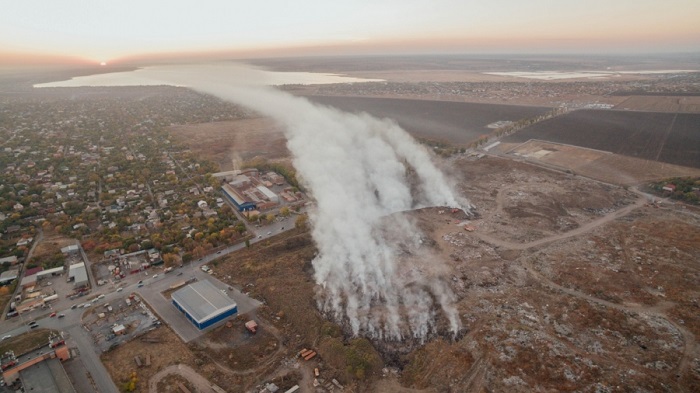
152, 292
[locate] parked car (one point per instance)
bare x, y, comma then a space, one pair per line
6, 337
61, 315
73, 307
155, 276
140, 285
120, 289
53, 314
33, 326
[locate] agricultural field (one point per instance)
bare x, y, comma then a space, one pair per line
595, 164
685, 104
452, 122
670, 138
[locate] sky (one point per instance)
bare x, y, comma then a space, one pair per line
114, 31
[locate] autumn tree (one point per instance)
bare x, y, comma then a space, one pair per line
284, 211
301, 221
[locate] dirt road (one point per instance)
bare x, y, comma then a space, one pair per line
201, 385
689, 342
575, 232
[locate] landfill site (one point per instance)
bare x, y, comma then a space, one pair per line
561, 283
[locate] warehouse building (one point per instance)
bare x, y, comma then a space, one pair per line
238, 200
203, 304
78, 274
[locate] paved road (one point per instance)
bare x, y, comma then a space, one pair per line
79, 338
151, 292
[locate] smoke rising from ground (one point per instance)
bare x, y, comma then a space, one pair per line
356, 169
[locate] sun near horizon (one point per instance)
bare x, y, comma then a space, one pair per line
73, 31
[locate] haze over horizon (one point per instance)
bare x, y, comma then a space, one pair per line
74, 31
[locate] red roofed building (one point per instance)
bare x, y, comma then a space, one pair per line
33, 271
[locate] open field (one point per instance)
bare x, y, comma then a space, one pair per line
596, 164
165, 349
52, 244
452, 122
665, 137
652, 103
232, 141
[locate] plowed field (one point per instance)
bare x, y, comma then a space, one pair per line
672, 138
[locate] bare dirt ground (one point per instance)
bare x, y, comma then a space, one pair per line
608, 306
230, 142
165, 348
566, 284
595, 164
52, 244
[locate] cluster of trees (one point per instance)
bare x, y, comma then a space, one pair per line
687, 189
56, 259
262, 165
516, 126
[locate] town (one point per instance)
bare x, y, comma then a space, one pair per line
96, 197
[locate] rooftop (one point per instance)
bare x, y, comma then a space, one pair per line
47, 376
202, 300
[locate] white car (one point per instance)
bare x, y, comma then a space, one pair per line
155, 275
6, 337
120, 289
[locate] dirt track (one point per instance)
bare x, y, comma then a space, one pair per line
578, 231
200, 383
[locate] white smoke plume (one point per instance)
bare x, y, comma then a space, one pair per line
356, 169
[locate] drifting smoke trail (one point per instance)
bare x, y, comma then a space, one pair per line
356, 169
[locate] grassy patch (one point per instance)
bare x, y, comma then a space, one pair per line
26, 342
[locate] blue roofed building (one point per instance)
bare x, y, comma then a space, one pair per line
203, 304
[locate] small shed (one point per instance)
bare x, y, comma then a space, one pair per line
119, 330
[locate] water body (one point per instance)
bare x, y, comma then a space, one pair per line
240, 74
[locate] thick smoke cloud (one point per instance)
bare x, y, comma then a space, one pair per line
356, 168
